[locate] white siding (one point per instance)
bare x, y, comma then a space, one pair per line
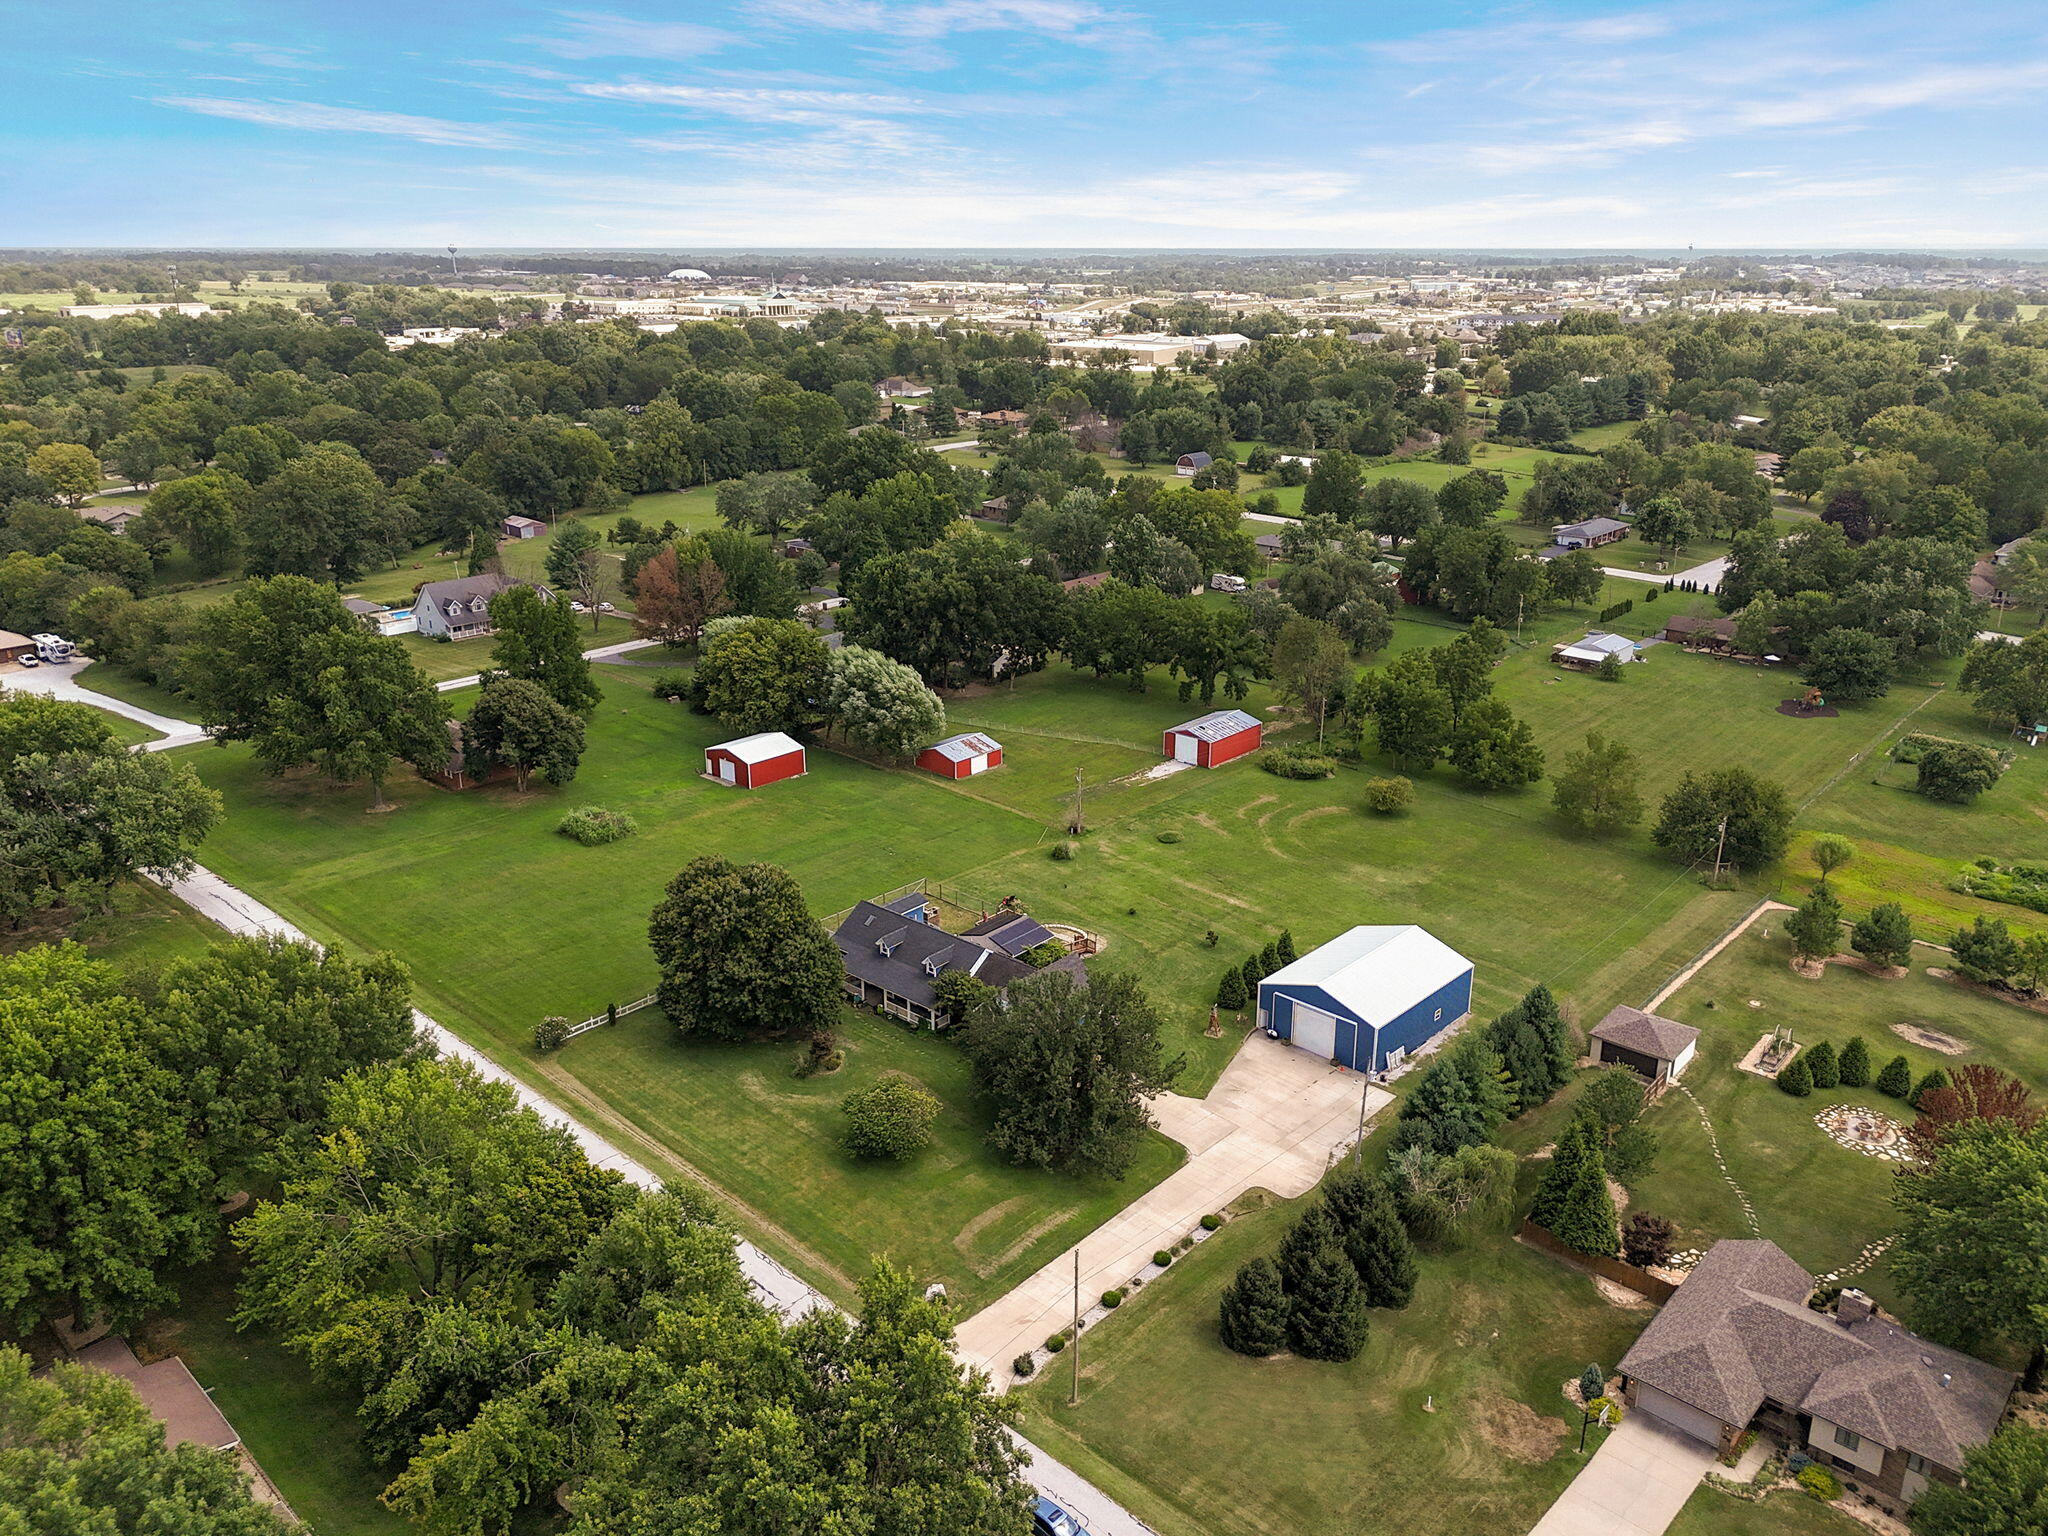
1869, 1456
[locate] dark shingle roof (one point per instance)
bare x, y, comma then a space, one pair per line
1739, 1330
902, 971
463, 589
1634, 1030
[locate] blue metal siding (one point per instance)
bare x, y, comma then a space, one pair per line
1416, 1025
1354, 1036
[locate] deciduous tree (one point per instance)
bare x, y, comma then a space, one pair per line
519, 724
881, 703
740, 954
1595, 790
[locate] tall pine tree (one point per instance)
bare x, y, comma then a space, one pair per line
1254, 1311
1459, 1101
1314, 1232
1328, 1320
1374, 1239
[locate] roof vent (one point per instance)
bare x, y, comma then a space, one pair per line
1946, 1378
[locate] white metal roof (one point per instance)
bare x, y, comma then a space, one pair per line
1377, 971
760, 748
1215, 727
971, 744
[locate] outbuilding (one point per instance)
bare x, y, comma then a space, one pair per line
1595, 649
752, 761
1192, 463
523, 527
1368, 998
13, 647
1214, 739
1644, 1043
963, 756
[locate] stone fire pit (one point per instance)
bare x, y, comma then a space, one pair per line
1863, 1129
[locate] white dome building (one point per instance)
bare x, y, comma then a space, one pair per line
688, 275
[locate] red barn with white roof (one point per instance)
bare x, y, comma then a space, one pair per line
963, 756
1214, 739
753, 761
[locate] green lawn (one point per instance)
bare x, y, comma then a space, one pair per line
144, 929
1201, 1442
1710, 1512
1605, 436
120, 683
1772, 1147
767, 1143
302, 1433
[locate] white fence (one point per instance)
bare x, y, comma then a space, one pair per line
608, 1016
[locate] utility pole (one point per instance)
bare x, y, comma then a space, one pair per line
1518, 617
1358, 1146
1077, 817
1074, 1391
1720, 847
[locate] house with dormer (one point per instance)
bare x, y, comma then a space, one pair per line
460, 609
895, 952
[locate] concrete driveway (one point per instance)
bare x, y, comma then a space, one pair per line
1634, 1485
1274, 1120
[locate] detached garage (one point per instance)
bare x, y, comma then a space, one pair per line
753, 761
962, 757
1368, 998
1214, 740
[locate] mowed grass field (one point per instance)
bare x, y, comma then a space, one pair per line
1710, 1512
1771, 1145
1451, 1419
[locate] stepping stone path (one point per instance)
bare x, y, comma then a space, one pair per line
1714, 1143
1871, 1253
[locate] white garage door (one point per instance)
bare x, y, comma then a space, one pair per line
977, 764
1183, 748
1314, 1031
1680, 1416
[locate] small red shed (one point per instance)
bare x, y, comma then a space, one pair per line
753, 761
1214, 740
963, 756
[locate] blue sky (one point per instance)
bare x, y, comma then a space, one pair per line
1026, 122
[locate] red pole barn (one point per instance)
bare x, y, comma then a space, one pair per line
962, 757
753, 761
1215, 739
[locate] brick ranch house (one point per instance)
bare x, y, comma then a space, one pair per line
1738, 1348
894, 951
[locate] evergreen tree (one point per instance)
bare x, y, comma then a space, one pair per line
1853, 1068
1578, 1211
1522, 1057
1822, 1067
1269, 960
1459, 1101
1328, 1320
1315, 1231
1251, 975
1254, 1310
1592, 1383
1796, 1079
1933, 1080
1374, 1239
1885, 936
1896, 1080
1547, 1019
1230, 993
1816, 928
1284, 947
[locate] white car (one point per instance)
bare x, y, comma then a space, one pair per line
31, 661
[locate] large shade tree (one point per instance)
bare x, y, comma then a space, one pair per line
741, 957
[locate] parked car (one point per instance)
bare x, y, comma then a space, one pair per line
31, 660
1048, 1519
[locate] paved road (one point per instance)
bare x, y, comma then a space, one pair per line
1274, 1120
61, 682
598, 653
1635, 1485
239, 912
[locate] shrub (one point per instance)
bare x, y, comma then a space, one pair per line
1022, 1367
1933, 1080
1797, 1079
1821, 1066
1592, 1384
592, 825
670, 685
1044, 954
1645, 1239
1820, 1482
551, 1033
1852, 1067
1613, 1409
1896, 1080
1389, 795
1056, 1343
1162, 1258
1211, 1222
1112, 1299
893, 1118
1958, 771
1065, 849
1609, 670
1303, 760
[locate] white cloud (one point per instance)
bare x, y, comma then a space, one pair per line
315, 118
1073, 20
601, 35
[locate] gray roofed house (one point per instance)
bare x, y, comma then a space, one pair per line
1590, 534
891, 960
1271, 545
1886, 1410
461, 608
1655, 1047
